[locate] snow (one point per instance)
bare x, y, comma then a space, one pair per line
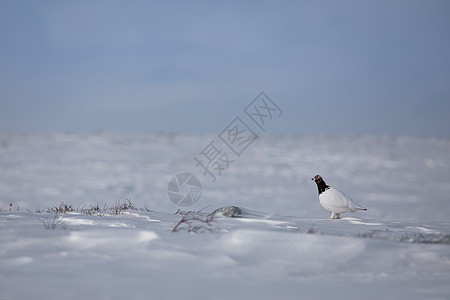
281, 246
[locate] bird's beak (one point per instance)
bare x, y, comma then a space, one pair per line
312, 178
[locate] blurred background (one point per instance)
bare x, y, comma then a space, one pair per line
103, 101
377, 67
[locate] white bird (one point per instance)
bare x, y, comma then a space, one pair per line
334, 200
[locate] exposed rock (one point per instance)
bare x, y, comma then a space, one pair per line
227, 211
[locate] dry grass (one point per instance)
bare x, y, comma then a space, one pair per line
62, 208
119, 208
194, 224
93, 210
190, 212
52, 224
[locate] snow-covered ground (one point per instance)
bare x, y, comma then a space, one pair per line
281, 246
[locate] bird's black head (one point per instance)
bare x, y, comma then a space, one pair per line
317, 178
321, 185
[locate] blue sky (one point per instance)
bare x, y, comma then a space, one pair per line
338, 67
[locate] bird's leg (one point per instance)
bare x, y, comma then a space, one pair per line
335, 215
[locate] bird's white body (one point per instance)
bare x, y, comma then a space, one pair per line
337, 202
